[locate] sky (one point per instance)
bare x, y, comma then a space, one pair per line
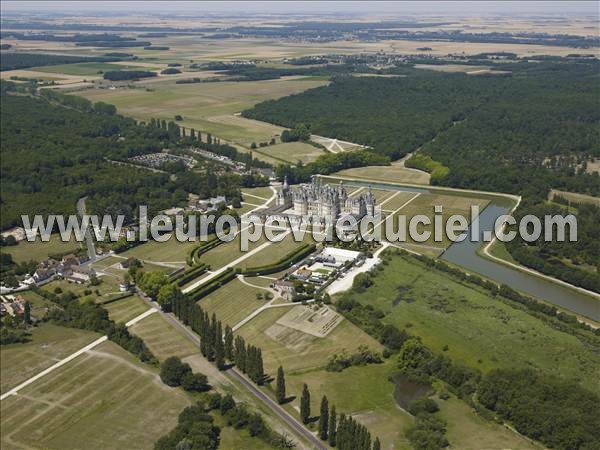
429, 8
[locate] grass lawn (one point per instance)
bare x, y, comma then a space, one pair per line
227, 252
394, 173
498, 249
122, 311
106, 262
292, 152
209, 107
162, 338
480, 331
297, 351
103, 399
272, 253
265, 192
38, 250
49, 343
232, 302
169, 251
108, 288
424, 204
39, 305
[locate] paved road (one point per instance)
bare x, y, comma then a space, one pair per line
288, 419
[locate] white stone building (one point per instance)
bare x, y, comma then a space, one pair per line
324, 201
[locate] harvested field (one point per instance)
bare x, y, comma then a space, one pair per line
233, 302
49, 343
122, 311
162, 338
395, 173
102, 399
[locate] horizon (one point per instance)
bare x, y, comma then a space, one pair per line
333, 8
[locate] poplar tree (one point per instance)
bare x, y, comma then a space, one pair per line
324, 419
332, 427
305, 404
280, 393
377, 444
219, 347
228, 343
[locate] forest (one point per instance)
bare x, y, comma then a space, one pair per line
53, 154
522, 134
393, 115
12, 61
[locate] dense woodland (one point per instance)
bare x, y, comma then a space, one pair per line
57, 149
11, 61
522, 134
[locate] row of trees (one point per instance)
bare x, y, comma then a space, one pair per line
216, 344
347, 434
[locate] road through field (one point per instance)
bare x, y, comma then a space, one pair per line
71, 357
287, 418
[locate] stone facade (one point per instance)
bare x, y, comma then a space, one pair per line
324, 201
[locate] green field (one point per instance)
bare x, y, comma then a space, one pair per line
38, 250
232, 302
209, 107
264, 192
468, 431
364, 392
228, 252
298, 351
108, 288
478, 330
171, 251
39, 305
292, 152
49, 343
272, 253
86, 68
394, 173
103, 399
162, 338
122, 311
424, 204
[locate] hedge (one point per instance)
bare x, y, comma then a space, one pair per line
204, 247
283, 263
182, 278
213, 285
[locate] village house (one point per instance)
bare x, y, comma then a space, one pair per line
80, 274
12, 305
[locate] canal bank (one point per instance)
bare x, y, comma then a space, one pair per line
474, 255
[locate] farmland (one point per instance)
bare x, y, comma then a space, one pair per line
104, 398
48, 344
162, 338
394, 173
122, 311
209, 107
